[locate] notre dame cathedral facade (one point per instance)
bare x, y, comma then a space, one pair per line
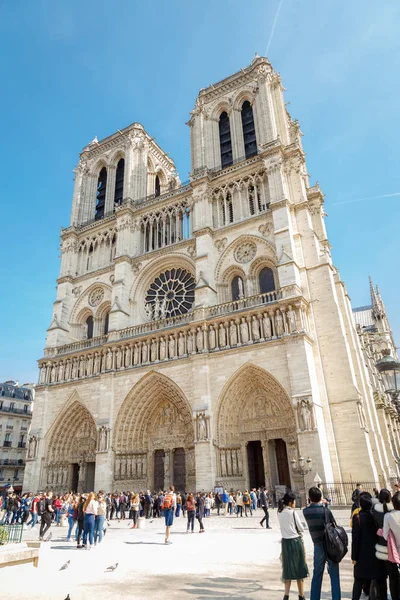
201, 334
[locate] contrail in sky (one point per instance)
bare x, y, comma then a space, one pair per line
273, 26
364, 199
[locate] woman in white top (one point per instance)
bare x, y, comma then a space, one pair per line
391, 522
294, 566
90, 509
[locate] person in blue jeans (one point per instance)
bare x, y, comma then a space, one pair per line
90, 509
99, 522
71, 517
314, 515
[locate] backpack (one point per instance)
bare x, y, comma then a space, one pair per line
245, 498
354, 496
168, 501
41, 507
335, 539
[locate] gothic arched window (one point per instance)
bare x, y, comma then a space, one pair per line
101, 194
237, 288
225, 140
266, 280
119, 183
249, 130
229, 206
106, 323
89, 327
157, 186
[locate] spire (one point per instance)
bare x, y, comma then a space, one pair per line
374, 299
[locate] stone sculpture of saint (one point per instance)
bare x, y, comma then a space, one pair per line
255, 328
53, 376
153, 350
166, 469
149, 311
74, 368
211, 338
291, 320
157, 309
162, 349
68, 370
190, 343
279, 328
222, 336
266, 325
240, 288
202, 428
171, 346
136, 353
163, 308
199, 340
233, 333
109, 360
118, 358
32, 447
181, 344
89, 366
305, 413
102, 439
145, 352
244, 331
60, 371
96, 363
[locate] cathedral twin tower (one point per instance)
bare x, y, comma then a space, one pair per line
201, 335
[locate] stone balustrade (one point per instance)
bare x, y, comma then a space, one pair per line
262, 323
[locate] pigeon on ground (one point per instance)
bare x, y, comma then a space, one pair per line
65, 566
67, 598
112, 568
48, 537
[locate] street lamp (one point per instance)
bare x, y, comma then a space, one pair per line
303, 468
389, 368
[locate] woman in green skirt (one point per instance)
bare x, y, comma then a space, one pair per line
294, 564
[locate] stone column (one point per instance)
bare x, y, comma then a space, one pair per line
110, 190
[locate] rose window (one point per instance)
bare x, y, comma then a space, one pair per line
170, 294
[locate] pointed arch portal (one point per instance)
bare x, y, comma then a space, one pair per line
255, 424
71, 454
154, 436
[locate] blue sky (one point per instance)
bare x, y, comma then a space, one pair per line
72, 70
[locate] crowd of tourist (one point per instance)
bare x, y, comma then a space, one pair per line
375, 527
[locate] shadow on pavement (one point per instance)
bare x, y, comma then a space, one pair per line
225, 587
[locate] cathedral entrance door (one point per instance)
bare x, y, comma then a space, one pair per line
75, 477
90, 470
282, 463
159, 470
256, 464
179, 469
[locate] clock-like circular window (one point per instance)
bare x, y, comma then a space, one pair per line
170, 294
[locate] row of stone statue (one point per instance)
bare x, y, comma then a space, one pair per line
132, 466
230, 333
231, 462
58, 475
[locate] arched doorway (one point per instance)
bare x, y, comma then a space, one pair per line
154, 437
71, 457
256, 431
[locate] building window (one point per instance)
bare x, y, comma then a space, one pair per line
8, 437
16, 474
225, 140
119, 183
101, 194
12, 406
89, 327
26, 408
249, 130
237, 288
106, 323
157, 187
170, 294
2, 474
1, 404
266, 280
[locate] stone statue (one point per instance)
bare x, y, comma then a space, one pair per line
163, 308
153, 350
233, 333
89, 366
145, 352
96, 363
82, 370
222, 336
118, 358
171, 346
74, 368
53, 376
144, 466
136, 355
305, 416
181, 345
255, 328
60, 371
266, 325
202, 428
68, 370
199, 340
166, 469
244, 331
279, 327
162, 349
241, 288
148, 309
156, 309
43, 374
190, 343
128, 356
223, 463
109, 360
211, 338
291, 320
32, 446
85, 331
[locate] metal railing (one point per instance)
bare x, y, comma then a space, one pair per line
7, 444
21, 444
340, 493
10, 534
17, 411
12, 462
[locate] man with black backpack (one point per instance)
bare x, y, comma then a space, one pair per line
45, 510
316, 517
